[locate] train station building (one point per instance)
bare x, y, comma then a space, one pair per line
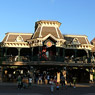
46, 52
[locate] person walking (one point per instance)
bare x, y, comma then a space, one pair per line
48, 78
51, 82
74, 82
29, 81
57, 86
19, 82
63, 81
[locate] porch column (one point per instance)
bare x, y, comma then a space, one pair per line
1, 70
40, 53
75, 55
87, 53
5, 54
19, 59
89, 58
91, 75
57, 53
1, 54
32, 54
63, 54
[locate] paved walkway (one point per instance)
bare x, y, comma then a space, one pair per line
81, 89
89, 94
44, 85
35, 94
20, 94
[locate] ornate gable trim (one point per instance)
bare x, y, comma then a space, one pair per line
49, 35
19, 39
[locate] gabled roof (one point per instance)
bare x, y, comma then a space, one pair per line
50, 36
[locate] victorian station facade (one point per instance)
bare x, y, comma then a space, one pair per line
46, 51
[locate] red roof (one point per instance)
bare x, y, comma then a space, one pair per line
93, 40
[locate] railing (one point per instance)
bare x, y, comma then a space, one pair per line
51, 58
34, 58
77, 60
16, 58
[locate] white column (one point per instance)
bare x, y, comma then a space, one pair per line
91, 75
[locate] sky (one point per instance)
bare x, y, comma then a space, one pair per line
77, 16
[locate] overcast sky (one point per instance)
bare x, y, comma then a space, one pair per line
76, 16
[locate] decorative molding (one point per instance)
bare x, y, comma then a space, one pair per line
75, 35
16, 44
18, 33
35, 31
40, 35
7, 38
83, 46
57, 32
48, 22
49, 35
86, 40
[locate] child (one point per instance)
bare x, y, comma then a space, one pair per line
29, 81
74, 82
57, 86
52, 85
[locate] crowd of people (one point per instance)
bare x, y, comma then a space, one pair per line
25, 82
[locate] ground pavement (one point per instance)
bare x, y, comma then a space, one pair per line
81, 89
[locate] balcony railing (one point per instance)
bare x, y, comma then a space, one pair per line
16, 58
51, 58
34, 58
78, 60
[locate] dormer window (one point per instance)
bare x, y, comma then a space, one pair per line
19, 39
75, 41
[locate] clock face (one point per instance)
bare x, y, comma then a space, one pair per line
49, 44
